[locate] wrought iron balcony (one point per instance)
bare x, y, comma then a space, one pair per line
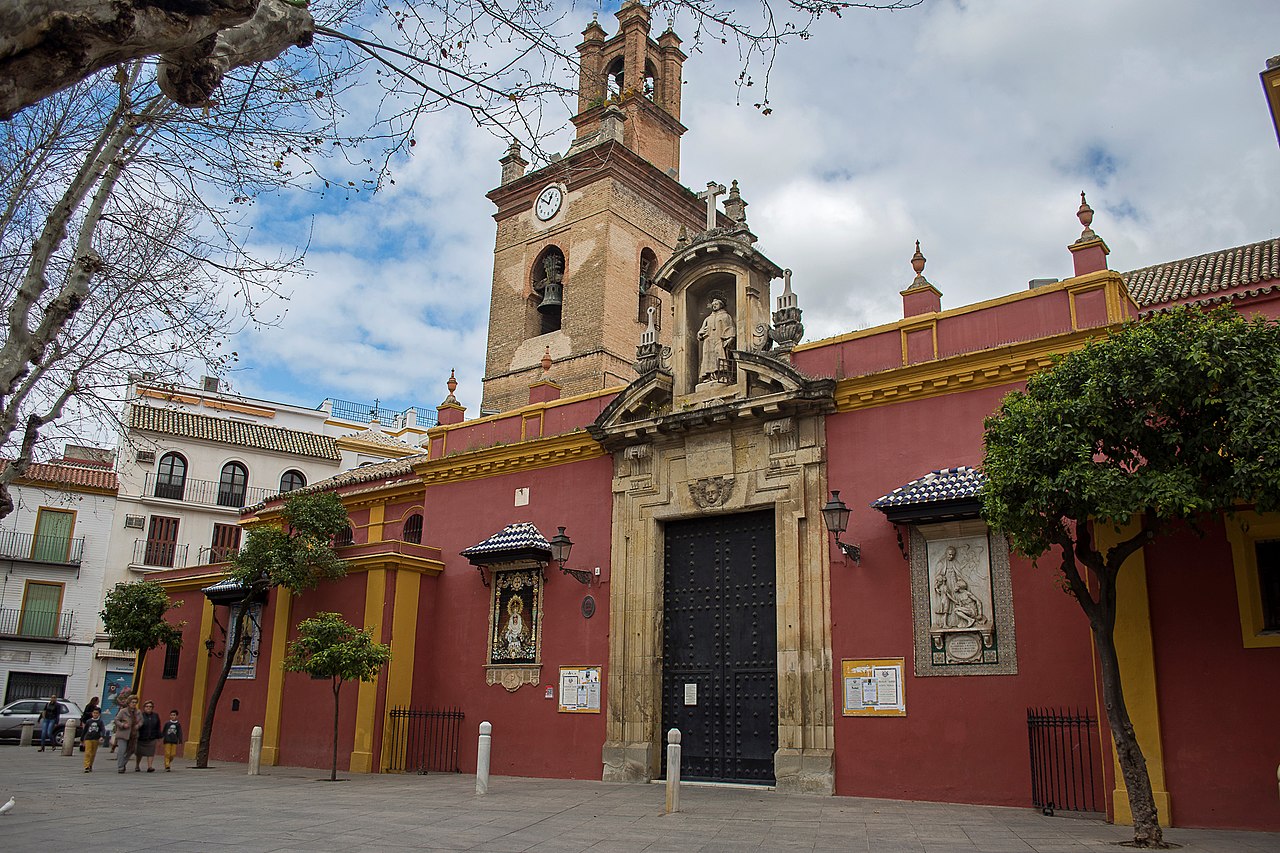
60, 550
205, 492
159, 555
221, 554
31, 624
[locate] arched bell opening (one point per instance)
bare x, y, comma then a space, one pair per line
545, 303
648, 294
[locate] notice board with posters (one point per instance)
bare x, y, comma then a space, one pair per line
579, 690
873, 687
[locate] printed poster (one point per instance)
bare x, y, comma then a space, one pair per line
873, 687
579, 690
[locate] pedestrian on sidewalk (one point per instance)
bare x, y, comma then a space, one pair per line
126, 737
92, 738
148, 734
49, 716
172, 737
84, 718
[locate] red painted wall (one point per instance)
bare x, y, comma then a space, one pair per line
1218, 699
306, 711
530, 738
170, 693
964, 738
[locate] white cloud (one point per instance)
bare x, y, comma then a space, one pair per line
970, 126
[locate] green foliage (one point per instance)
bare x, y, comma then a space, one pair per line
133, 614
329, 647
1169, 418
300, 554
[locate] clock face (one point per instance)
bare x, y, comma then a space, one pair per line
548, 203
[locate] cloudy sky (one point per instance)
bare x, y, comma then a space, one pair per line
971, 126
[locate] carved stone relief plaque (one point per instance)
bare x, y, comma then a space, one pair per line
711, 492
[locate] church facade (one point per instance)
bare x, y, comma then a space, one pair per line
635, 540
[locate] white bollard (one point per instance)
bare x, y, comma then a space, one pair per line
482, 758
255, 750
673, 770
69, 736
28, 735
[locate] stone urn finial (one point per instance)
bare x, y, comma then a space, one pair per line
1085, 215
918, 260
452, 384
546, 360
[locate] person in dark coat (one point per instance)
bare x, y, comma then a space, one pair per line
148, 734
50, 714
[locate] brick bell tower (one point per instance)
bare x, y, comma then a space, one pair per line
579, 239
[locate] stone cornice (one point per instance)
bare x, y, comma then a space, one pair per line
983, 369
505, 458
609, 159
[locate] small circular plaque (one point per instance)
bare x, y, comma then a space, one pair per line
588, 607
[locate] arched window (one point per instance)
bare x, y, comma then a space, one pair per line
413, 529
650, 74
615, 81
233, 485
344, 537
171, 476
546, 296
291, 480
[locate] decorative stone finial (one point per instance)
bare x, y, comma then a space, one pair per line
917, 264
683, 237
734, 207
546, 360
1085, 215
650, 355
452, 384
787, 326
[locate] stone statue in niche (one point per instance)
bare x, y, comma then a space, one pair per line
960, 594
715, 340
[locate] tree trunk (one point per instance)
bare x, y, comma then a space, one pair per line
337, 685
228, 659
1133, 765
137, 672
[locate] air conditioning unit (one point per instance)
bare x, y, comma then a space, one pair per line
136, 522
146, 457
210, 383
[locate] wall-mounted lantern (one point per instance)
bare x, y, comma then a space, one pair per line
835, 514
560, 547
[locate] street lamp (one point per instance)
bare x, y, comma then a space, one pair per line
560, 547
835, 514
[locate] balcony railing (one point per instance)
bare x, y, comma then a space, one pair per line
35, 624
44, 549
206, 492
221, 554
160, 555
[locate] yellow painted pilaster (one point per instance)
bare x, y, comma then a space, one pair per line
377, 514
404, 638
1138, 676
375, 594
201, 686
275, 678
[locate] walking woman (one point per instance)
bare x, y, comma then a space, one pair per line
148, 734
126, 736
50, 714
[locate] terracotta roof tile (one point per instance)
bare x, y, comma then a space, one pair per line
69, 476
1256, 263
227, 431
364, 474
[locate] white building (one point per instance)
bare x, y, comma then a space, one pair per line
53, 552
191, 458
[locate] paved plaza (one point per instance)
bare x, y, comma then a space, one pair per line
61, 808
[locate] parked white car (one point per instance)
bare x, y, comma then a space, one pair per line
13, 715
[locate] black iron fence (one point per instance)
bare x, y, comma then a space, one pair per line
422, 741
44, 549
1066, 771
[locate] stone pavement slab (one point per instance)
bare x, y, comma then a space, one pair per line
61, 808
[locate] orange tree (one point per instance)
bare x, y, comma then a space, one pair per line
1171, 420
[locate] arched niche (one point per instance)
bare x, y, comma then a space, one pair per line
695, 299
545, 304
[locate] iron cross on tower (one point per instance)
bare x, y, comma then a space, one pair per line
713, 190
